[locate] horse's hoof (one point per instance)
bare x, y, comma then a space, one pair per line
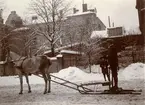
45, 92
29, 91
48, 91
20, 93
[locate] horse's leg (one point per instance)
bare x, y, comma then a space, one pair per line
27, 80
45, 80
21, 83
49, 80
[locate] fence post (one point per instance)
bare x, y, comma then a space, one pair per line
60, 61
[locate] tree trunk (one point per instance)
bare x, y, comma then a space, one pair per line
90, 63
52, 50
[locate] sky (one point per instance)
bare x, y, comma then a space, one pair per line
121, 12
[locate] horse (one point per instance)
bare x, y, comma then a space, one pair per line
33, 65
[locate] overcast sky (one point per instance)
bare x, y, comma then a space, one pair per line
122, 12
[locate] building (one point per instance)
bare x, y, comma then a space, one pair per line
1, 18
74, 28
140, 6
114, 31
79, 25
14, 20
109, 32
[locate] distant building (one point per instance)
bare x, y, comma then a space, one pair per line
14, 20
81, 25
74, 28
109, 32
115, 31
1, 18
140, 6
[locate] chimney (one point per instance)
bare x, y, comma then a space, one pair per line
13, 12
85, 9
1, 17
75, 10
92, 10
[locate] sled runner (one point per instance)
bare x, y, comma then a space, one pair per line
83, 88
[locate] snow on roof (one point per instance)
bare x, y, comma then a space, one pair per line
114, 27
132, 30
59, 56
63, 47
102, 33
21, 29
53, 58
81, 13
70, 45
69, 52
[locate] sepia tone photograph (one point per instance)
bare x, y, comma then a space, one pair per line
72, 52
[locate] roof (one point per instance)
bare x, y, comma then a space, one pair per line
63, 47
59, 56
114, 27
102, 33
70, 52
21, 29
123, 35
81, 13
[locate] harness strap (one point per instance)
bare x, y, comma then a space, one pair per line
20, 67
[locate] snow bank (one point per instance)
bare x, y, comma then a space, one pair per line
134, 71
75, 74
94, 69
72, 74
99, 34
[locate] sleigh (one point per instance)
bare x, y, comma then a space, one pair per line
84, 88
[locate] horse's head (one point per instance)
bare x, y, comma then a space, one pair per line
46, 60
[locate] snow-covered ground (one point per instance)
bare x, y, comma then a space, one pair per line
131, 77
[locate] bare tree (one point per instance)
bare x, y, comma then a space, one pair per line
50, 13
91, 51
